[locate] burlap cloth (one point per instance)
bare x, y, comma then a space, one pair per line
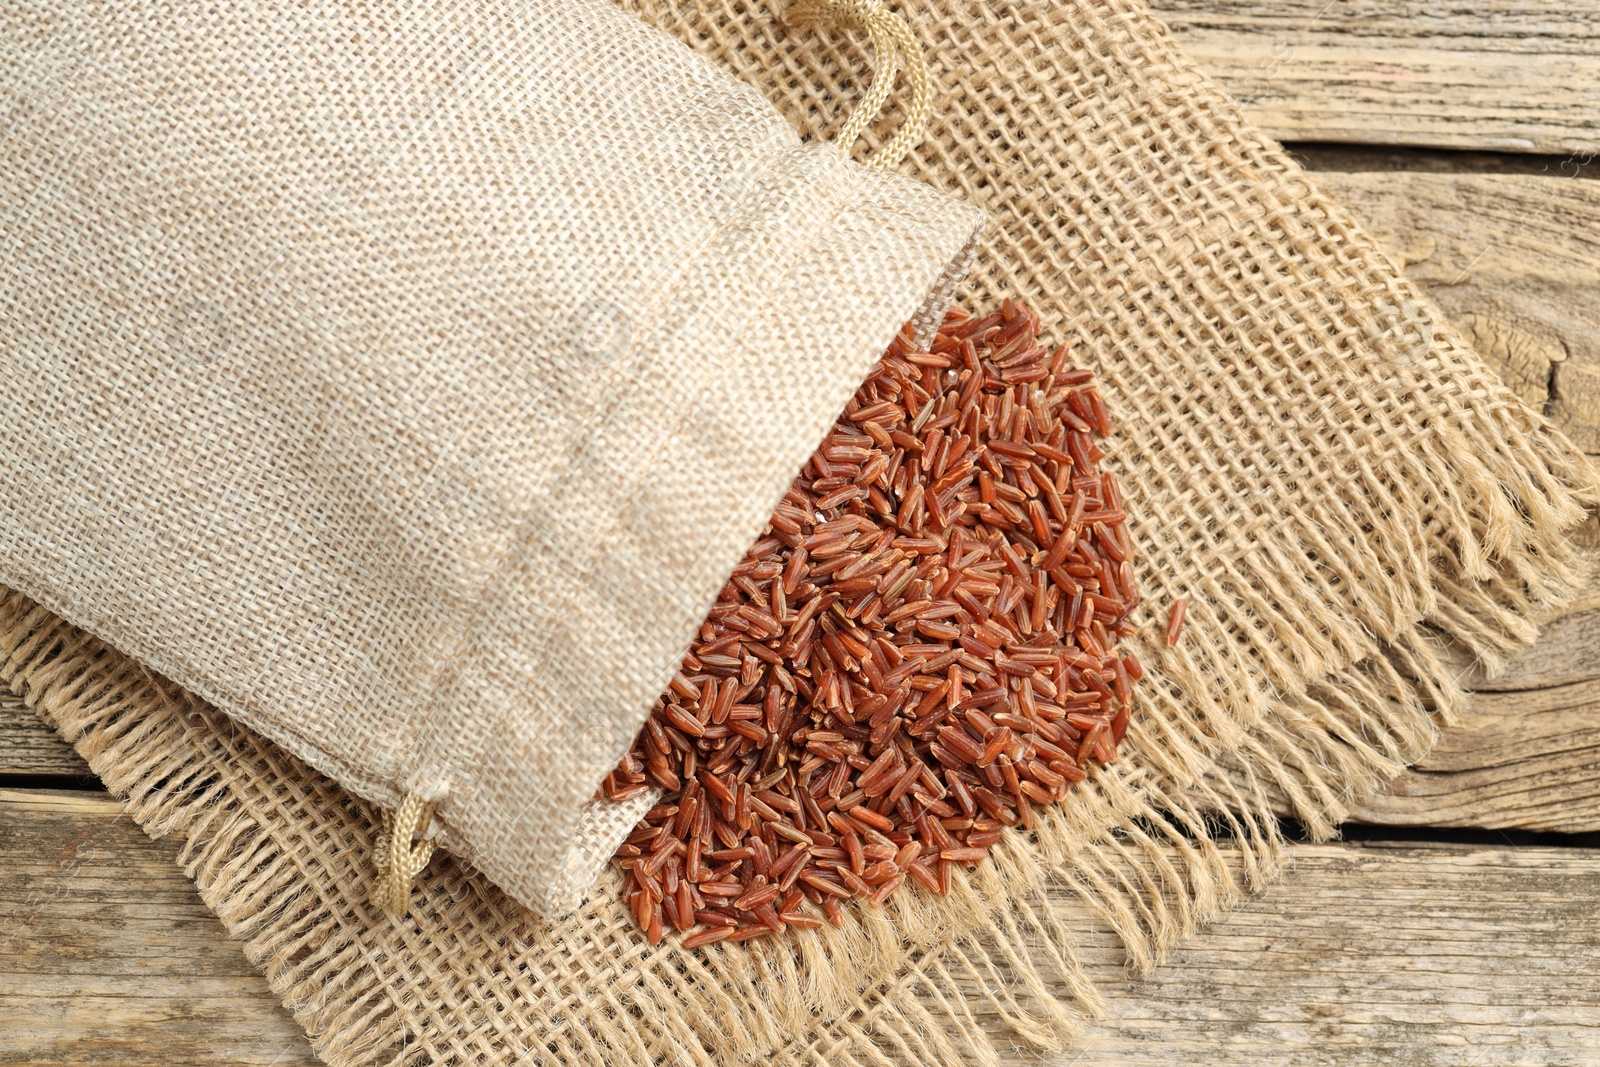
406, 384
1338, 499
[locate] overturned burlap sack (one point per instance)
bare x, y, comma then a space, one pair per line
1337, 499
406, 381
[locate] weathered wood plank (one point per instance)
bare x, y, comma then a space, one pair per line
1494, 74
1512, 259
107, 954
1382, 953
1568, 651
28, 746
1522, 760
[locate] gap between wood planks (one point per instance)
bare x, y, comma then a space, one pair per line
1324, 156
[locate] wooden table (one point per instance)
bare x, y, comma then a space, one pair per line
1458, 922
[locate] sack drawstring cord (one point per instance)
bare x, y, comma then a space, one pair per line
892, 46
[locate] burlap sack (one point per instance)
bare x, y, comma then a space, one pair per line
1338, 499
406, 381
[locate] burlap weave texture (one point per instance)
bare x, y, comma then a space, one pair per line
1337, 498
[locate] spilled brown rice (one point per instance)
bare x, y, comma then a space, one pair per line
918, 650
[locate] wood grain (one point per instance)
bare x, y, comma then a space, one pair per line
1568, 651
1362, 954
1512, 259
29, 747
1492, 74
1380, 954
1526, 760
107, 954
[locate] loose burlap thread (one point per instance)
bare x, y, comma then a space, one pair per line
1339, 501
